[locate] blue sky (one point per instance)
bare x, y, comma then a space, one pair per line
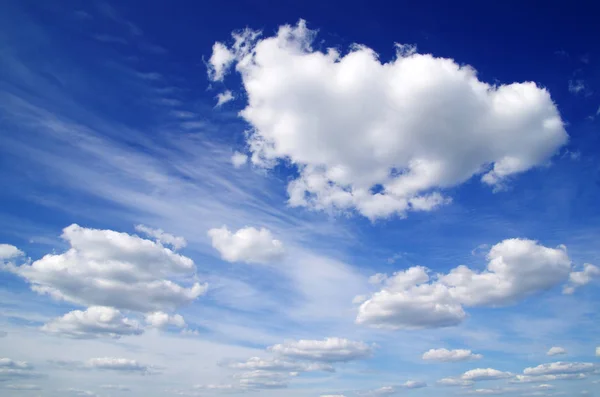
299, 198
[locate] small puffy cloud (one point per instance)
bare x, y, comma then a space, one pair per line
162, 319
248, 245
224, 97
382, 139
580, 278
414, 384
239, 159
95, 322
257, 363
117, 364
108, 268
164, 238
556, 350
479, 374
327, 350
454, 382
413, 299
445, 355
560, 368
220, 60
8, 251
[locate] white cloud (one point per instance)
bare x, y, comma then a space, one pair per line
8, 251
414, 384
219, 62
485, 374
547, 378
162, 319
581, 278
556, 350
95, 322
560, 368
260, 379
239, 159
117, 364
248, 245
164, 238
487, 392
108, 268
445, 355
383, 139
332, 395
327, 350
224, 97
598, 351
454, 382
413, 299
257, 363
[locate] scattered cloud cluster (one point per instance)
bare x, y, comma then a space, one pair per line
382, 138
516, 268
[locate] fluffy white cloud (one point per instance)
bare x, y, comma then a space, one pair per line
95, 322
327, 350
556, 350
224, 97
108, 268
219, 62
246, 245
117, 364
412, 298
164, 238
162, 319
485, 374
239, 159
414, 384
383, 138
445, 355
257, 363
8, 251
581, 278
560, 367
454, 382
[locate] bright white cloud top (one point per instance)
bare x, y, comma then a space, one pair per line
246, 245
108, 268
327, 350
556, 350
95, 322
445, 355
412, 298
382, 138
